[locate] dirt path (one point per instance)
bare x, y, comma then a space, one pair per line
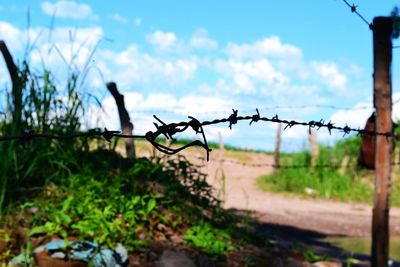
241, 193
326, 217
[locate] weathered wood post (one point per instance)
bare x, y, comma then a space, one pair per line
17, 87
382, 36
126, 125
277, 151
221, 166
312, 138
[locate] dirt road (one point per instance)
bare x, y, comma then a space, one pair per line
327, 217
322, 216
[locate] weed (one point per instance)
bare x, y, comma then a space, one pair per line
205, 237
310, 256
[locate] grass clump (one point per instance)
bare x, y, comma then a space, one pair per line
335, 175
209, 239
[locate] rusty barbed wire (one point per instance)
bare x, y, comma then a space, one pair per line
169, 130
353, 9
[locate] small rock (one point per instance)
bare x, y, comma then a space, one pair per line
171, 258
310, 191
176, 239
326, 264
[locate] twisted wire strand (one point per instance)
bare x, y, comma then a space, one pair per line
353, 9
169, 130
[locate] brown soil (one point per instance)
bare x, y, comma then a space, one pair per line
239, 191
324, 216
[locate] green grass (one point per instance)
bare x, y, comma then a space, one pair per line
350, 184
110, 200
98, 204
326, 182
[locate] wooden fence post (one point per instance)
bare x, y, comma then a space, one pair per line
312, 138
277, 162
17, 86
382, 36
126, 125
221, 166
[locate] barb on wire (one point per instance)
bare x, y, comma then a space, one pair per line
169, 130
353, 9
290, 123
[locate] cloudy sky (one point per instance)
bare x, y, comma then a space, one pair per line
204, 58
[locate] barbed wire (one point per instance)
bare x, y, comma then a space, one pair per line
353, 9
169, 130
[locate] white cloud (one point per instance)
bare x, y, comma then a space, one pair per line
67, 9
162, 40
12, 36
59, 52
357, 117
330, 74
52, 47
199, 105
132, 67
200, 40
246, 75
119, 18
354, 118
271, 46
138, 21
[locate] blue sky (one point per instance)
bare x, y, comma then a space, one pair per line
203, 58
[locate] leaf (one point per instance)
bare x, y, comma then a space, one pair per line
67, 203
65, 218
42, 229
151, 205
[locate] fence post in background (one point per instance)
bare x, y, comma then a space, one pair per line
382, 36
312, 138
277, 152
17, 87
222, 190
221, 148
126, 125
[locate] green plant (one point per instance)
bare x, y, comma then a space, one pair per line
208, 239
96, 210
43, 110
328, 179
310, 256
